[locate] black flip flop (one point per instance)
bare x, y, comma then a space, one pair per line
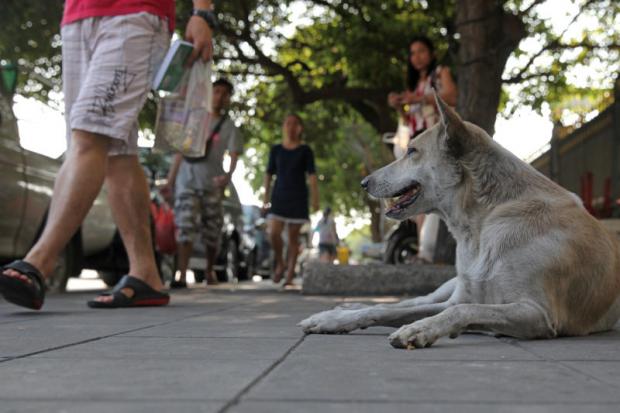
143, 295
17, 291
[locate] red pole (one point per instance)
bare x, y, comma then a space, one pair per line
607, 198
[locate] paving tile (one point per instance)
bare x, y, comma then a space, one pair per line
144, 406
126, 379
467, 347
605, 371
239, 324
398, 375
306, 406
199, 353
200, 349
603, 346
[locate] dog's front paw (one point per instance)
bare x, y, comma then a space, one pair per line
416, 335
333, 322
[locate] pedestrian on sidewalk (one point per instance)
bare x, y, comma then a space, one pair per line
292, 163
416, 106
328, 237
199, 185
111, 50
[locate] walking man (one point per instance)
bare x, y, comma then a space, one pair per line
110, 51
199, 186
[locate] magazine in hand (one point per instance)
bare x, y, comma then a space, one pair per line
173, 67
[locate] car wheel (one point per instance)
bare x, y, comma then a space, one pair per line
67, 266
401, 249
199, 276
231, 266
167, 267
250, 266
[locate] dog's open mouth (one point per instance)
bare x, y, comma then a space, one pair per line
404, 198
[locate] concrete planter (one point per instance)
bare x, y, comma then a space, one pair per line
373, 279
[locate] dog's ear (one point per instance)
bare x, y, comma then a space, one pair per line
455, 137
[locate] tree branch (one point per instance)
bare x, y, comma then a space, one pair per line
336, 90
523, 78
530, 7
300, 63
553, 43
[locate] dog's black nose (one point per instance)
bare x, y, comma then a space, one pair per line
364, 183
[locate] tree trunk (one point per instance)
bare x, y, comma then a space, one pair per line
8, 121
488, 35
376, 226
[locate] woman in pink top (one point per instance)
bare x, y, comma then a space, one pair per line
416, 105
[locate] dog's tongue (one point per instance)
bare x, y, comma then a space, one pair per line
398, 202
395, 204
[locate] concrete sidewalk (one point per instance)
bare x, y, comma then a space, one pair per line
240, 351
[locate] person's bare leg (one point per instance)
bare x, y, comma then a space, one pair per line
324, 257
129, 198
184, 252
77, 185
293, 251
211, 277
275, 234
419, 220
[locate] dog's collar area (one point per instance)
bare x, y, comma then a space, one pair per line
405, 197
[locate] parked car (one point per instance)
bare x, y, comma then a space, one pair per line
27, 180
235, 254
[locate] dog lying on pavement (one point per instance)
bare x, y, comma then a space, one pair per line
531, 261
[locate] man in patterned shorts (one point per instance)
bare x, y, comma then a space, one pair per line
110, 52
199, 185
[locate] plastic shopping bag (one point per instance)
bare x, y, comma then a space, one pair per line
184, 117
165, 239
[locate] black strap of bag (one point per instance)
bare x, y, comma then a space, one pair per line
214, 132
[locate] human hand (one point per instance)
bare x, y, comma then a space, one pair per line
199, 33
221, 181
412, 97
264, 210
395, 99
166, 191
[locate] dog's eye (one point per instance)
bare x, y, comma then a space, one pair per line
411, 150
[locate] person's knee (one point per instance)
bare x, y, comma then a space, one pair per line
87, 143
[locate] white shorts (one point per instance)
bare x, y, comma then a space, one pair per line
108, 66
286, 220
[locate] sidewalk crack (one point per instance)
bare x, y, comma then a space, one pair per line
90, 340
235, 400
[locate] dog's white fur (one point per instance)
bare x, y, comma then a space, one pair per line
531, 262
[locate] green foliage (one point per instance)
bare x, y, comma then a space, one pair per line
335, 60
580, 57
30, 38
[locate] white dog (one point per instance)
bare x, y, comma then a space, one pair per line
531, 262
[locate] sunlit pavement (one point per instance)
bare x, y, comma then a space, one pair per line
236, 348
88, 281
